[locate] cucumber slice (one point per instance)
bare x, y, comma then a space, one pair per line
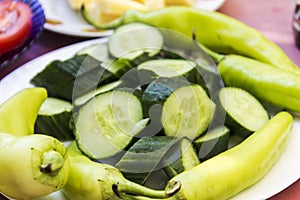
81, 72
144, 157
244, 113
181, 157
104, 88
212, 143
159, 90
170, 68
96, 51
153, 99
187, 112
133, 40
53, 119
107, 123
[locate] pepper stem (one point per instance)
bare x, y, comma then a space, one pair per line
132, 188
52, 162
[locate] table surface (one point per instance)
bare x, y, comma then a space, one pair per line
272, 17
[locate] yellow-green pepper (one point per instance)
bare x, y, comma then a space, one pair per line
32, 166
91, 180
232, 171
215, 30
19, 112
276, 86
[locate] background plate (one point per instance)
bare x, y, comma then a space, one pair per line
284, 172
62, 19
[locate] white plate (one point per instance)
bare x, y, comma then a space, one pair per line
69, 22
284, 172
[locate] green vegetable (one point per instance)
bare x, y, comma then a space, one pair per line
212, 143
170, 68
145, 157
155, 95
181, 157
54, 118
187, 112
244, 113
133, 40
232, 171
19, 112
266, 83
108, 123
72, 77
32, 165
215, 30
150, 155
81, 100
91, 180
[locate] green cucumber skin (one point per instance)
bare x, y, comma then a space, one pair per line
57, 125
144, 157
213, 147
237, 128
176, 164
265, 82
234, 124
59, 77
159, 90
194, 76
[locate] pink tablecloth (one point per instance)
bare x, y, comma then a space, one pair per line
272, 17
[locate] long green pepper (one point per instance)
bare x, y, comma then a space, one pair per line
96, 181
215, 30
234, 170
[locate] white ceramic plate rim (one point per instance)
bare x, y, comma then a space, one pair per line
73, 24
283, 173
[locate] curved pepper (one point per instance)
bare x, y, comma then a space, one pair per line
19, 112
215, 30
234, 170
269, 84
32, 166
92, 180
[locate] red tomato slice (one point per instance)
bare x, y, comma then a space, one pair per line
15, 24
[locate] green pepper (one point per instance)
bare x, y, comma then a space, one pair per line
269, 84
92, 180
215, 30
32, 165
236, 169
19, 112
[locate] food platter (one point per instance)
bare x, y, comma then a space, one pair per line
284, 172
62, 19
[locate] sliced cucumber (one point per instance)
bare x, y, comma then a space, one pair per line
107, 123
212, 143
116, 66
181, 157
159, 90
144, 157
53, 119
132, 40
153, 99
244, 113
81, 73
187, 112
97, 51
170, 68
104, 88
